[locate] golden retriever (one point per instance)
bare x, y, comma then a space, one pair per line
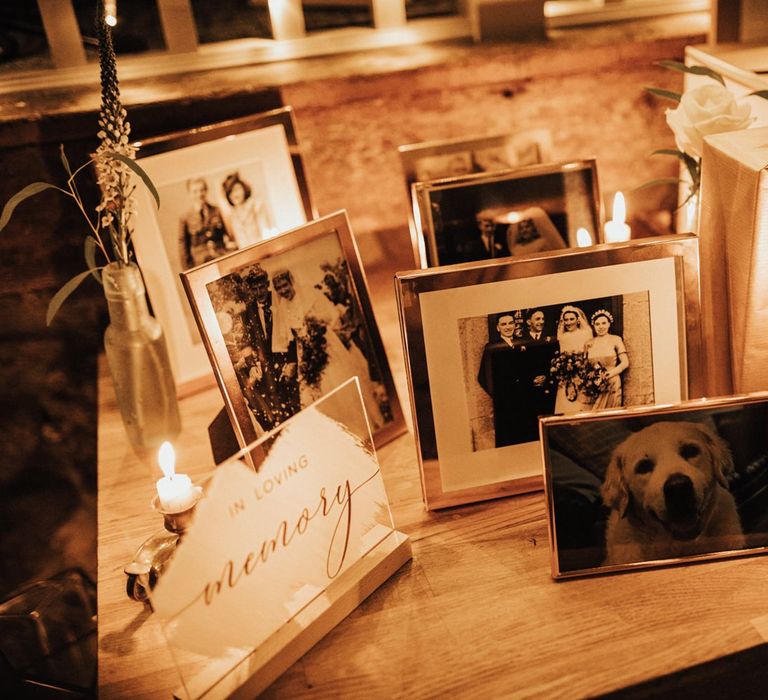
667, 487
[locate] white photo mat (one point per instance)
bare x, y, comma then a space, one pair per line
460, 466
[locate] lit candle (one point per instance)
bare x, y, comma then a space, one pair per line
175, 491
110, 12
616, 230
583, 238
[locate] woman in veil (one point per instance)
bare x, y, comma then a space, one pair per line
573, 331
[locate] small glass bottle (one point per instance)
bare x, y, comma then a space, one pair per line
138, 361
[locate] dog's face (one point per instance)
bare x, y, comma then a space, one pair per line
665, 475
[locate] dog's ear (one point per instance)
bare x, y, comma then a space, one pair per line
614, 490
722, 460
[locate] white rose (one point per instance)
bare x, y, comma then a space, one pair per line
705, 110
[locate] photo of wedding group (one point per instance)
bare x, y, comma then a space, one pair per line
294, 330
578, 356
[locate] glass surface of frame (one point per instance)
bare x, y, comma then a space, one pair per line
288, 320
491, 346
508, 213
222, 187
435, 160
647, 486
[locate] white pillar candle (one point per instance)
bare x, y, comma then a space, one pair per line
616, 230
174, 491
583, 238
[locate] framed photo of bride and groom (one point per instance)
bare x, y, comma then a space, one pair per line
288, 320
492, 346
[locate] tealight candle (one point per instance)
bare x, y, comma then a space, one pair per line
616, 230
583, 238
174, 491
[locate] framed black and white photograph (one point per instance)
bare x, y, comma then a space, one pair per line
222, 188
288, 320
492, 346
509, 213
435, 160
643, 487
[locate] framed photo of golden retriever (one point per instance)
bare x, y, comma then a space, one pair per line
288, 320
492, 346
222, 187
657, 485
516, 212
436, 160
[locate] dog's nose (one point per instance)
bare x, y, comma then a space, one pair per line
679, 495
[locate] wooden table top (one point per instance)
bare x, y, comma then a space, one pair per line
474, 614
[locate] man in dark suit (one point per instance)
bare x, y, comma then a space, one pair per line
514, 373
273, 378
202, 236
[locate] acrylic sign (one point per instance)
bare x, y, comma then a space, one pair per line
266, 543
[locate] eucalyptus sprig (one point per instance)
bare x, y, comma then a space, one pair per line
110, 227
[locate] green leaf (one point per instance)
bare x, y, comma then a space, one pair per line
689, 161
133, 165
759, 93
19, 197
658, 181
666, 94
90, 258
61, 296
694, 70
64, 160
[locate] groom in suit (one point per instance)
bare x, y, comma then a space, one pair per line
540, 349
514, 373
274, 378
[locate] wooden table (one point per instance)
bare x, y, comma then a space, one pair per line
475, 613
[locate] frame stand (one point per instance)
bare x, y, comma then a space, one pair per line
223, 441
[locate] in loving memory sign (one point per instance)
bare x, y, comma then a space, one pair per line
265, 544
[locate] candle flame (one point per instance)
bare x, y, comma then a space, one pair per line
166, 457
619, 208
583, 238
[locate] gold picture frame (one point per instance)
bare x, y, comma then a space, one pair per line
508, 213
465, 446
260, 153
651, 486
436, 160
273, 354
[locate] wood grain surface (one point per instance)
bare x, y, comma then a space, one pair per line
475, 614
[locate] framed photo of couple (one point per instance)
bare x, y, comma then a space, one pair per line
506, 213
436, 160
288, 320
492, 346
222, 188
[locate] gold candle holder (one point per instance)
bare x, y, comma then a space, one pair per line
153, 555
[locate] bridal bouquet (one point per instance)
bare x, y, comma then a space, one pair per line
567, 370
313, 352
595, 379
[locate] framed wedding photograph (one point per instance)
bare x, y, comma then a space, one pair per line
436, 160
492, 346
644, 487
222, 188
288, 320
508, 213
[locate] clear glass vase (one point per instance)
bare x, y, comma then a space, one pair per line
138, 361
